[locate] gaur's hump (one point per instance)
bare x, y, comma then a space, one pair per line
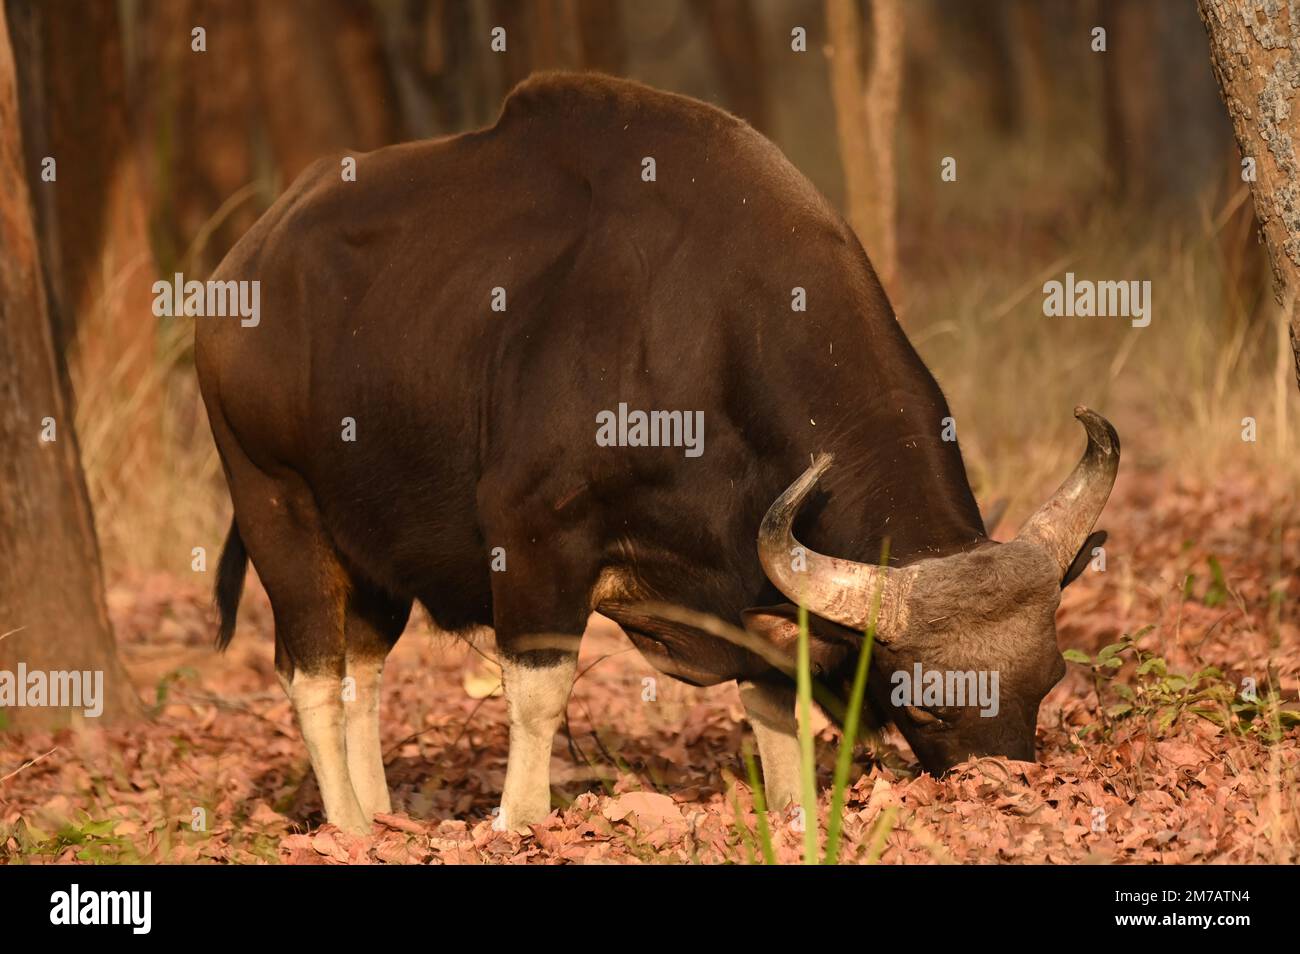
591, 119
597, 100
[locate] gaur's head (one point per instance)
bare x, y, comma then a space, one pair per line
965, 646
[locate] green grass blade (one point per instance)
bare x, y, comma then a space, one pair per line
807, 752
746, 839
844, 759
760, 809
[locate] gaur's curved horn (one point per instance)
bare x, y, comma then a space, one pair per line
1062, 524
838, 590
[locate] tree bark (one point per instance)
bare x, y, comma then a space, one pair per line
845, 51
202, 113
52, 611
736, 48
604, 44
559, 35
323, 80
1255, 52
104, 268
880, 101
1134, 100
866, 118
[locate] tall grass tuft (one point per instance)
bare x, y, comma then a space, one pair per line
807, 753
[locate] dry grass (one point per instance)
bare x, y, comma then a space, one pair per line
1177, 390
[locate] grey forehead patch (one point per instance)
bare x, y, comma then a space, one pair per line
982, 581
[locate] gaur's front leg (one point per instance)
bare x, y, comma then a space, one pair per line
769, 705
537, 686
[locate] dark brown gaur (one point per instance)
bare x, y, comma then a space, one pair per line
474, 483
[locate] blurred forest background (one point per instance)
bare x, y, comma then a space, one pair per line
1115, 163
1087, 136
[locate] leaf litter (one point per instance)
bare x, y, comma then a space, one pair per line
1139, 763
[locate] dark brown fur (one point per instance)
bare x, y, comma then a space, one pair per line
476, 428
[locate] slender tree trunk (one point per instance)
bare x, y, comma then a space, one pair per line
845, 50
1253, 52
736, 47
323, 80
881, 98
1034, 76
1133, 97
558, 35
866, 117
604, 44
444, 77
202, 111
52, 611
105, 267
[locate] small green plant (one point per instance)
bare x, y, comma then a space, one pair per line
93, 839
1216, 594
162, 690
1160, 697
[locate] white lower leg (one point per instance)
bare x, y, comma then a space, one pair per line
536, 698
771, 714
365, 757
318, 701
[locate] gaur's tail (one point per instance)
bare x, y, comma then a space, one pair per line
230, 583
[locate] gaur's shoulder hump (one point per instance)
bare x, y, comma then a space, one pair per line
594, 99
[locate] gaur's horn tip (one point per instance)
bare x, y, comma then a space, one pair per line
1100, 430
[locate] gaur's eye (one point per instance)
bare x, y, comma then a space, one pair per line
942, 717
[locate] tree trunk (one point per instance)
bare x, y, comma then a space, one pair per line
1027, 34
880, 101
104, 268
604, 44
866, 116
323, 81
558, 35
736, 49
1252, 50
52, 611
844, 26
1134, 101
201, 110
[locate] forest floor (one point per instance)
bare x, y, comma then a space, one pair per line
1159, 755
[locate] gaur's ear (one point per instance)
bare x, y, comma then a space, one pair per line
778, 625
828, 643
1080, 561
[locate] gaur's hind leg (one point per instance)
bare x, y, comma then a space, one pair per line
769, 706
374, 623
309, 589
